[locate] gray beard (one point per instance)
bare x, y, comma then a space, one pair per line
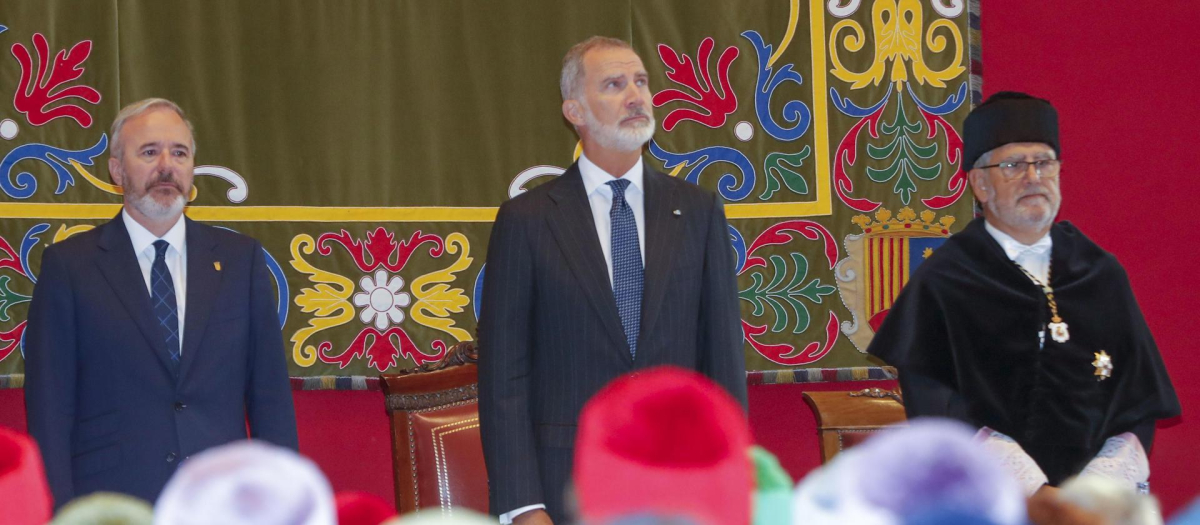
148, 206
617, 138
1015, 217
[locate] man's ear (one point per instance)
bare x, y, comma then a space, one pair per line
573, 112
979, 184
114, 171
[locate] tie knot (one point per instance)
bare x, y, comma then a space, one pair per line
618, 188
160, 248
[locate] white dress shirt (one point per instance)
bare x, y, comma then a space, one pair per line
176, 257
600, 197
1033, 258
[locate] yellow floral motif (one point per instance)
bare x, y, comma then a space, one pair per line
329, 299
897, 28
64, 232
436, 300
926, 253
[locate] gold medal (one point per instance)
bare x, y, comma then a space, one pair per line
1058, 331
1058, 327
1103, 364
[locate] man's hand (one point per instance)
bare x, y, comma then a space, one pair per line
533, 517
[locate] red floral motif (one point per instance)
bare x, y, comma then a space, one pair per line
33, 95
785, 354
12, 260
11, 338
716, 106
777, 234
382, 349
381, 248
954, 147
846, 152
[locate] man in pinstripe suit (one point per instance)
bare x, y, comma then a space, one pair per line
568, 304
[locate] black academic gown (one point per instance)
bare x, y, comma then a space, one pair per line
964, 336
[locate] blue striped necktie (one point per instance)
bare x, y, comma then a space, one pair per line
162, 295
627, 264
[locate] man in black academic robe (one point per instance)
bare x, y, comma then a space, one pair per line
1026, 328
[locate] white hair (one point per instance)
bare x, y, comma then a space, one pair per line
137, 108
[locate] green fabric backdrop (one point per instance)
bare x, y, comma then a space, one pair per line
365, 141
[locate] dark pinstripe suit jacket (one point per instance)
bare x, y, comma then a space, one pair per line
107, 408
550, 334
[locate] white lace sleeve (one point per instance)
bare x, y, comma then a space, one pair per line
1122, 459
1026, 471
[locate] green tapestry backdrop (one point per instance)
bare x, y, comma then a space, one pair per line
367, 144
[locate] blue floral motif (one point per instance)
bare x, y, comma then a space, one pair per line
794, 111
739, 248
477, 295
283, 295
952, 102
851, 109
24, 185
30, 240
702, 158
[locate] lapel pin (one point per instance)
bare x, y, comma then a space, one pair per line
217, 265
677, 213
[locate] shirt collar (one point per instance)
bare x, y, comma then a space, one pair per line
594, 177
1014, 248
142, 238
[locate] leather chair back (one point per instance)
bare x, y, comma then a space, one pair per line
845, 419
437, 456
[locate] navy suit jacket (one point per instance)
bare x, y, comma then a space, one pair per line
550, 335
103, 401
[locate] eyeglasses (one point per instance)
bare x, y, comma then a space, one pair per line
1045, 168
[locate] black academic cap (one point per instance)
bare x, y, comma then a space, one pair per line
1007, 117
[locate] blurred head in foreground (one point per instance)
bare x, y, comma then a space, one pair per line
105, 508
440, 517
924, 471
663, 442
361, 508
246, 482
24, 495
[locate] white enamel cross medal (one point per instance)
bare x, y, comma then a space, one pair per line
1103, 364
1058, 330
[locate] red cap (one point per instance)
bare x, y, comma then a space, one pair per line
24, 495
666, 441
361, 508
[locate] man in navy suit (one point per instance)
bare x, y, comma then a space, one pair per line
611, 268
151, 337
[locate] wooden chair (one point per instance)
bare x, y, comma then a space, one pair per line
437, 456
845, 419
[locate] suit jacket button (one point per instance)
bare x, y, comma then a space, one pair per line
171, 457
179, 407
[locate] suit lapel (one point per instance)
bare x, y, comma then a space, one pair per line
662, 241
120, 268
203, 282
575, 230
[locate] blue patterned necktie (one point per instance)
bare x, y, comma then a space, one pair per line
627, 264
162, 294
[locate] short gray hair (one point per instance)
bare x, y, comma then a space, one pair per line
572, 70
982, 161
137, 108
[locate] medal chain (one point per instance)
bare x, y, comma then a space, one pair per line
1046, 289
